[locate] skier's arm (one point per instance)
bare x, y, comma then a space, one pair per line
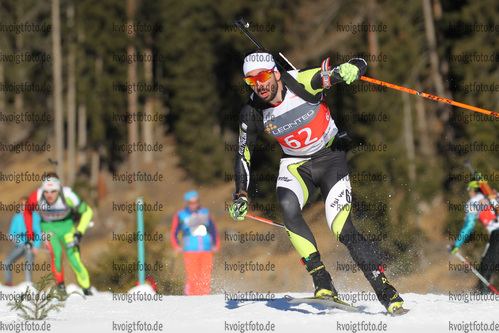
174, 232
212, 229
249, 122
469, 225
37, 230
80, 207
13, 227
312, 80
86, 216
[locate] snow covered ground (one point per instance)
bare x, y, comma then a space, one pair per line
252, 312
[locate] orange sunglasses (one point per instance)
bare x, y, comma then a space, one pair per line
261, 77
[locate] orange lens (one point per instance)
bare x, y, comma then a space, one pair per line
262, 77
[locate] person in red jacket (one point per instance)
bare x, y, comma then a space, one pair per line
200, 239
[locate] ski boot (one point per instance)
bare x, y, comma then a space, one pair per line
61, 287
87, 292
386, 293
322, 280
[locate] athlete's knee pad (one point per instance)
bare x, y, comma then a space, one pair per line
338, 205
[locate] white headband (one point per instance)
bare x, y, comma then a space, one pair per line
258, 61
51, 184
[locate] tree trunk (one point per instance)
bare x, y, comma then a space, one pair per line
372, 36
409, 139
82, 108
424, 132
147, 126
432, 49
435, 62
133, 128
445, 133
2, 100
57, 73
21, 76
94, 173
82, 135
71, 98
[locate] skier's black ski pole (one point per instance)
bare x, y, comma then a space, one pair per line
487, 283
241, 23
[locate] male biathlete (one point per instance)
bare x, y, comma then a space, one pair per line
57, 207
312, 158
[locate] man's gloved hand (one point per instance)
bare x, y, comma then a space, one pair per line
348, 72
28, 245
76, 240
453, 249
239, 208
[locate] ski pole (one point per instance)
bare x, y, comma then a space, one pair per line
467, 164
425, 95
491, 287
241, 23
261, 219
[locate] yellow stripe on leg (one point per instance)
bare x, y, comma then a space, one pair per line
339, 221
304, 247
293, 168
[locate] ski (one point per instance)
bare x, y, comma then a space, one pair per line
336, 303
320, 300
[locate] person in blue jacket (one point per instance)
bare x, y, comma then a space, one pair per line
479, 208
200, 239
17, 234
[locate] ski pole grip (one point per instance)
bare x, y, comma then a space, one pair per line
240, 23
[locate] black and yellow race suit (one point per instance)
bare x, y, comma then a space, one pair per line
311, 159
